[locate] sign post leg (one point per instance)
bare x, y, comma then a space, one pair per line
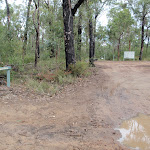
8, 78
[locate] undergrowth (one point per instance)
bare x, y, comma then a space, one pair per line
49, 77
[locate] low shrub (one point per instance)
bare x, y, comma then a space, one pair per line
29, 59
49, 78
42, 86
79, 69
63, 77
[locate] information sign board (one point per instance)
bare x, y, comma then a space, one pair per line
129, 55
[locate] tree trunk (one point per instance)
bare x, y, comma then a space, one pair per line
68, 33
33, 39
68, 14
86, 42
79, 37
129, 45
8, 15
147, 45
91, 36
94, 33
26, 29
142, 34
91, 45
37, 28
147, 36
36, 50
118, 49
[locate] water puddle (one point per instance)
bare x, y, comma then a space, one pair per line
136, 133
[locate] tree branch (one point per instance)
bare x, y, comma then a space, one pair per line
99, 9
46, 4
97, 13
147, 13
74, 10
35, 4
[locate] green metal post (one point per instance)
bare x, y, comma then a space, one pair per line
8, 78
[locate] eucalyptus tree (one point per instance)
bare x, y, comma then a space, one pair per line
119, 23
68, 14
141, 9
10, 39
94, 9
81, 32
91, 32
98, 8
101, 41
79, 39
37, 29
26, 28
52, 24
147, 37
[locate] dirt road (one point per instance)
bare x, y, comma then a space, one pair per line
82, 117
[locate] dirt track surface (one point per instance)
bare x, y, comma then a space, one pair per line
81, 117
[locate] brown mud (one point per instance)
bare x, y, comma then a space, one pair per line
82, 116
136, 132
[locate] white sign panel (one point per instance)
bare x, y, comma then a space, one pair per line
5, 68
129, 54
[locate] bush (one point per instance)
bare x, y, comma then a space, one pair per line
29, 59
45, 55
63, 77
79, 69
49, 76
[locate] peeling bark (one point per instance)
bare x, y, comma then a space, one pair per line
142, 34
68, 33
79, 37
68, 14
91, 43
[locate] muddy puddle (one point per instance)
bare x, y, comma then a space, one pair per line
136, 133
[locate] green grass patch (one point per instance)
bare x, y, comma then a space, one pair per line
42, 86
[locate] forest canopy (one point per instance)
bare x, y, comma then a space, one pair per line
34, 30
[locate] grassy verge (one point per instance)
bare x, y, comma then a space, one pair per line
50, 76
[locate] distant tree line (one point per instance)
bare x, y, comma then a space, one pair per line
46, 29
